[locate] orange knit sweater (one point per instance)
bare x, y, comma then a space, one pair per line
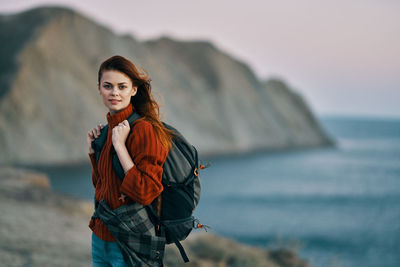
142, 183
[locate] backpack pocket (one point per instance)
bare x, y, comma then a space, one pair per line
177, 230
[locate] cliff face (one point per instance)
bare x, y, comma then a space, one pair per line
49, 97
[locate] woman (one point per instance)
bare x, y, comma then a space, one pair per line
141, 153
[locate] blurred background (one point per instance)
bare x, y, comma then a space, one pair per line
294, 105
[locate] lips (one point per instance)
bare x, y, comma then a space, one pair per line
114, 101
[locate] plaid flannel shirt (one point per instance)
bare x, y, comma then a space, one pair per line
134, 232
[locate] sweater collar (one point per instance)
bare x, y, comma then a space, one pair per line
115, 119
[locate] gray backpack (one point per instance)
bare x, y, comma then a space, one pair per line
181, 182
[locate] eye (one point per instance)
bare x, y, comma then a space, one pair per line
106, 86
122, 86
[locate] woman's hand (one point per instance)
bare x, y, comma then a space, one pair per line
92, 134
120, 133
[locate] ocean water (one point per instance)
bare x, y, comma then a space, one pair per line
337, 206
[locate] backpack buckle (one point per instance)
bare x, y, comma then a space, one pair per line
196, 171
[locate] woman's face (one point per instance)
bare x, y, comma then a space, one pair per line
116, 90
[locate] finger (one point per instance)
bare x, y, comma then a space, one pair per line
90, 134
94, 131
126, 123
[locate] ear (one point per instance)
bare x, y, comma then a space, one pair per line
134, 90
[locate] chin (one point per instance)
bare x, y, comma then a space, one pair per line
116, 109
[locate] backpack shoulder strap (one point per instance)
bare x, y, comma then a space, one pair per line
98, 143
115, 161
133, 117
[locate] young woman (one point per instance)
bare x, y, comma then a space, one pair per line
141, 153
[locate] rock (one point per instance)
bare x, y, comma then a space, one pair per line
49, 98
38, 226
205, 249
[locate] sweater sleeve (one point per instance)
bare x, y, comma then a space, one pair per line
142, 182
95, 172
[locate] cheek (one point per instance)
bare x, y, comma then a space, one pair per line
104, 92
104, 95
127, 94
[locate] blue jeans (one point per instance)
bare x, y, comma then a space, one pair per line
106, 253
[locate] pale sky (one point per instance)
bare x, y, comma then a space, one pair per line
343, 56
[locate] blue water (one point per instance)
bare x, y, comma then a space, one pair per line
336, 206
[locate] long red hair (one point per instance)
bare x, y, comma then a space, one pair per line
143, 101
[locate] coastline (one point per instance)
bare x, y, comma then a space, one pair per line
41, 227
207, 156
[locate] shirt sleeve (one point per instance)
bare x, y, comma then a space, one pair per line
95, 171
142, 182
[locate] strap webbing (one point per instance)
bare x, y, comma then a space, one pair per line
182, 251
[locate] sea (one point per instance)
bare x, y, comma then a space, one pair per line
335, 206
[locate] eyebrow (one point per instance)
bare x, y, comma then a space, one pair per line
118, 83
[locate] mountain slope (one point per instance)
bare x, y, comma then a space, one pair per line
49, 97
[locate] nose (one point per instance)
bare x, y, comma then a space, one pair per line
114, 91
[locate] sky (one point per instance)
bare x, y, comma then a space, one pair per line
342, 56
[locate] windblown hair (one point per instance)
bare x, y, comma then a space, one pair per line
143, 101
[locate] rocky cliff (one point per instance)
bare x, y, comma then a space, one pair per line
49, 98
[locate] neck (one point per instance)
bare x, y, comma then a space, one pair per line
115, 117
